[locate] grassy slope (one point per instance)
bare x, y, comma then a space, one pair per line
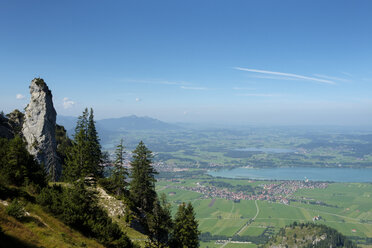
116, 210
40, 230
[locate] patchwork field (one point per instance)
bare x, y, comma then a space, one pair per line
206, 148
346, 207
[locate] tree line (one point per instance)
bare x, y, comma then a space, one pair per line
77, 205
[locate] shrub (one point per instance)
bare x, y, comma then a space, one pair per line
78, 208
16, 209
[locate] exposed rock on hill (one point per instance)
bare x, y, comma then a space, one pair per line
16, 119
309, 235
39, 128
11, 124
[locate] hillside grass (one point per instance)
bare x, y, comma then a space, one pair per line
40, 230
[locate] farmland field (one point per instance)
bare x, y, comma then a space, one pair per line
346, 207
253, 146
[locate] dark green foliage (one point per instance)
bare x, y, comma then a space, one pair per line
185, 232
120, 173
78, 207
15, 209
77, 156
63, 142
94, 147
119, 154
160, 223
108, 184
84, 157
260, 239
333, 239
17, 166
51, 198
142, 186
116, 183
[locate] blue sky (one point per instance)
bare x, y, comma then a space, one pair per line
240, 62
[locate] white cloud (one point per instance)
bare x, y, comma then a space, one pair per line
193, 88
20, 96
289, 75
67, 103
332, 78
138, 99
273, 77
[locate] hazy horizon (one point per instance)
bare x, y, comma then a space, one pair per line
238, 63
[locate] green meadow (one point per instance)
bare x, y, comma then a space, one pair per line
346, 207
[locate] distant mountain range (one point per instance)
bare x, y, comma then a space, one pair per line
127, 123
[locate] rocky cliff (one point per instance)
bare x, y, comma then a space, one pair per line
39, 128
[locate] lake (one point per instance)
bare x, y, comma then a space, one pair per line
298, 173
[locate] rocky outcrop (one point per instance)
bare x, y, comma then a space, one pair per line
16, 119
39, 128
11, 124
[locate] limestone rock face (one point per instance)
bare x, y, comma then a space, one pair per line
39, 128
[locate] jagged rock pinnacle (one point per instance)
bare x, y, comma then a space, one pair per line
39, 128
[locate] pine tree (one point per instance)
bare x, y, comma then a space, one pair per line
95, 154
160, 223
76, 156
120, 173
17, 161
119, 154
142, 186
17, 166
185, 232
82, 124
84, 157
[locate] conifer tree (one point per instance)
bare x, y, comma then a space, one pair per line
142, 186
120, 173
185, 232
95, 154
17, 166
160, 223
77, 155
84, 157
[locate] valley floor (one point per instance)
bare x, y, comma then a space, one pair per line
347, 207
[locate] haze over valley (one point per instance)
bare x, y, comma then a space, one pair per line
173, 124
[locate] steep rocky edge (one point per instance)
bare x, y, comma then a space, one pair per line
11, 124
39, 128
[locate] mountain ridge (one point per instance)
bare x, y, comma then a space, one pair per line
131, 122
